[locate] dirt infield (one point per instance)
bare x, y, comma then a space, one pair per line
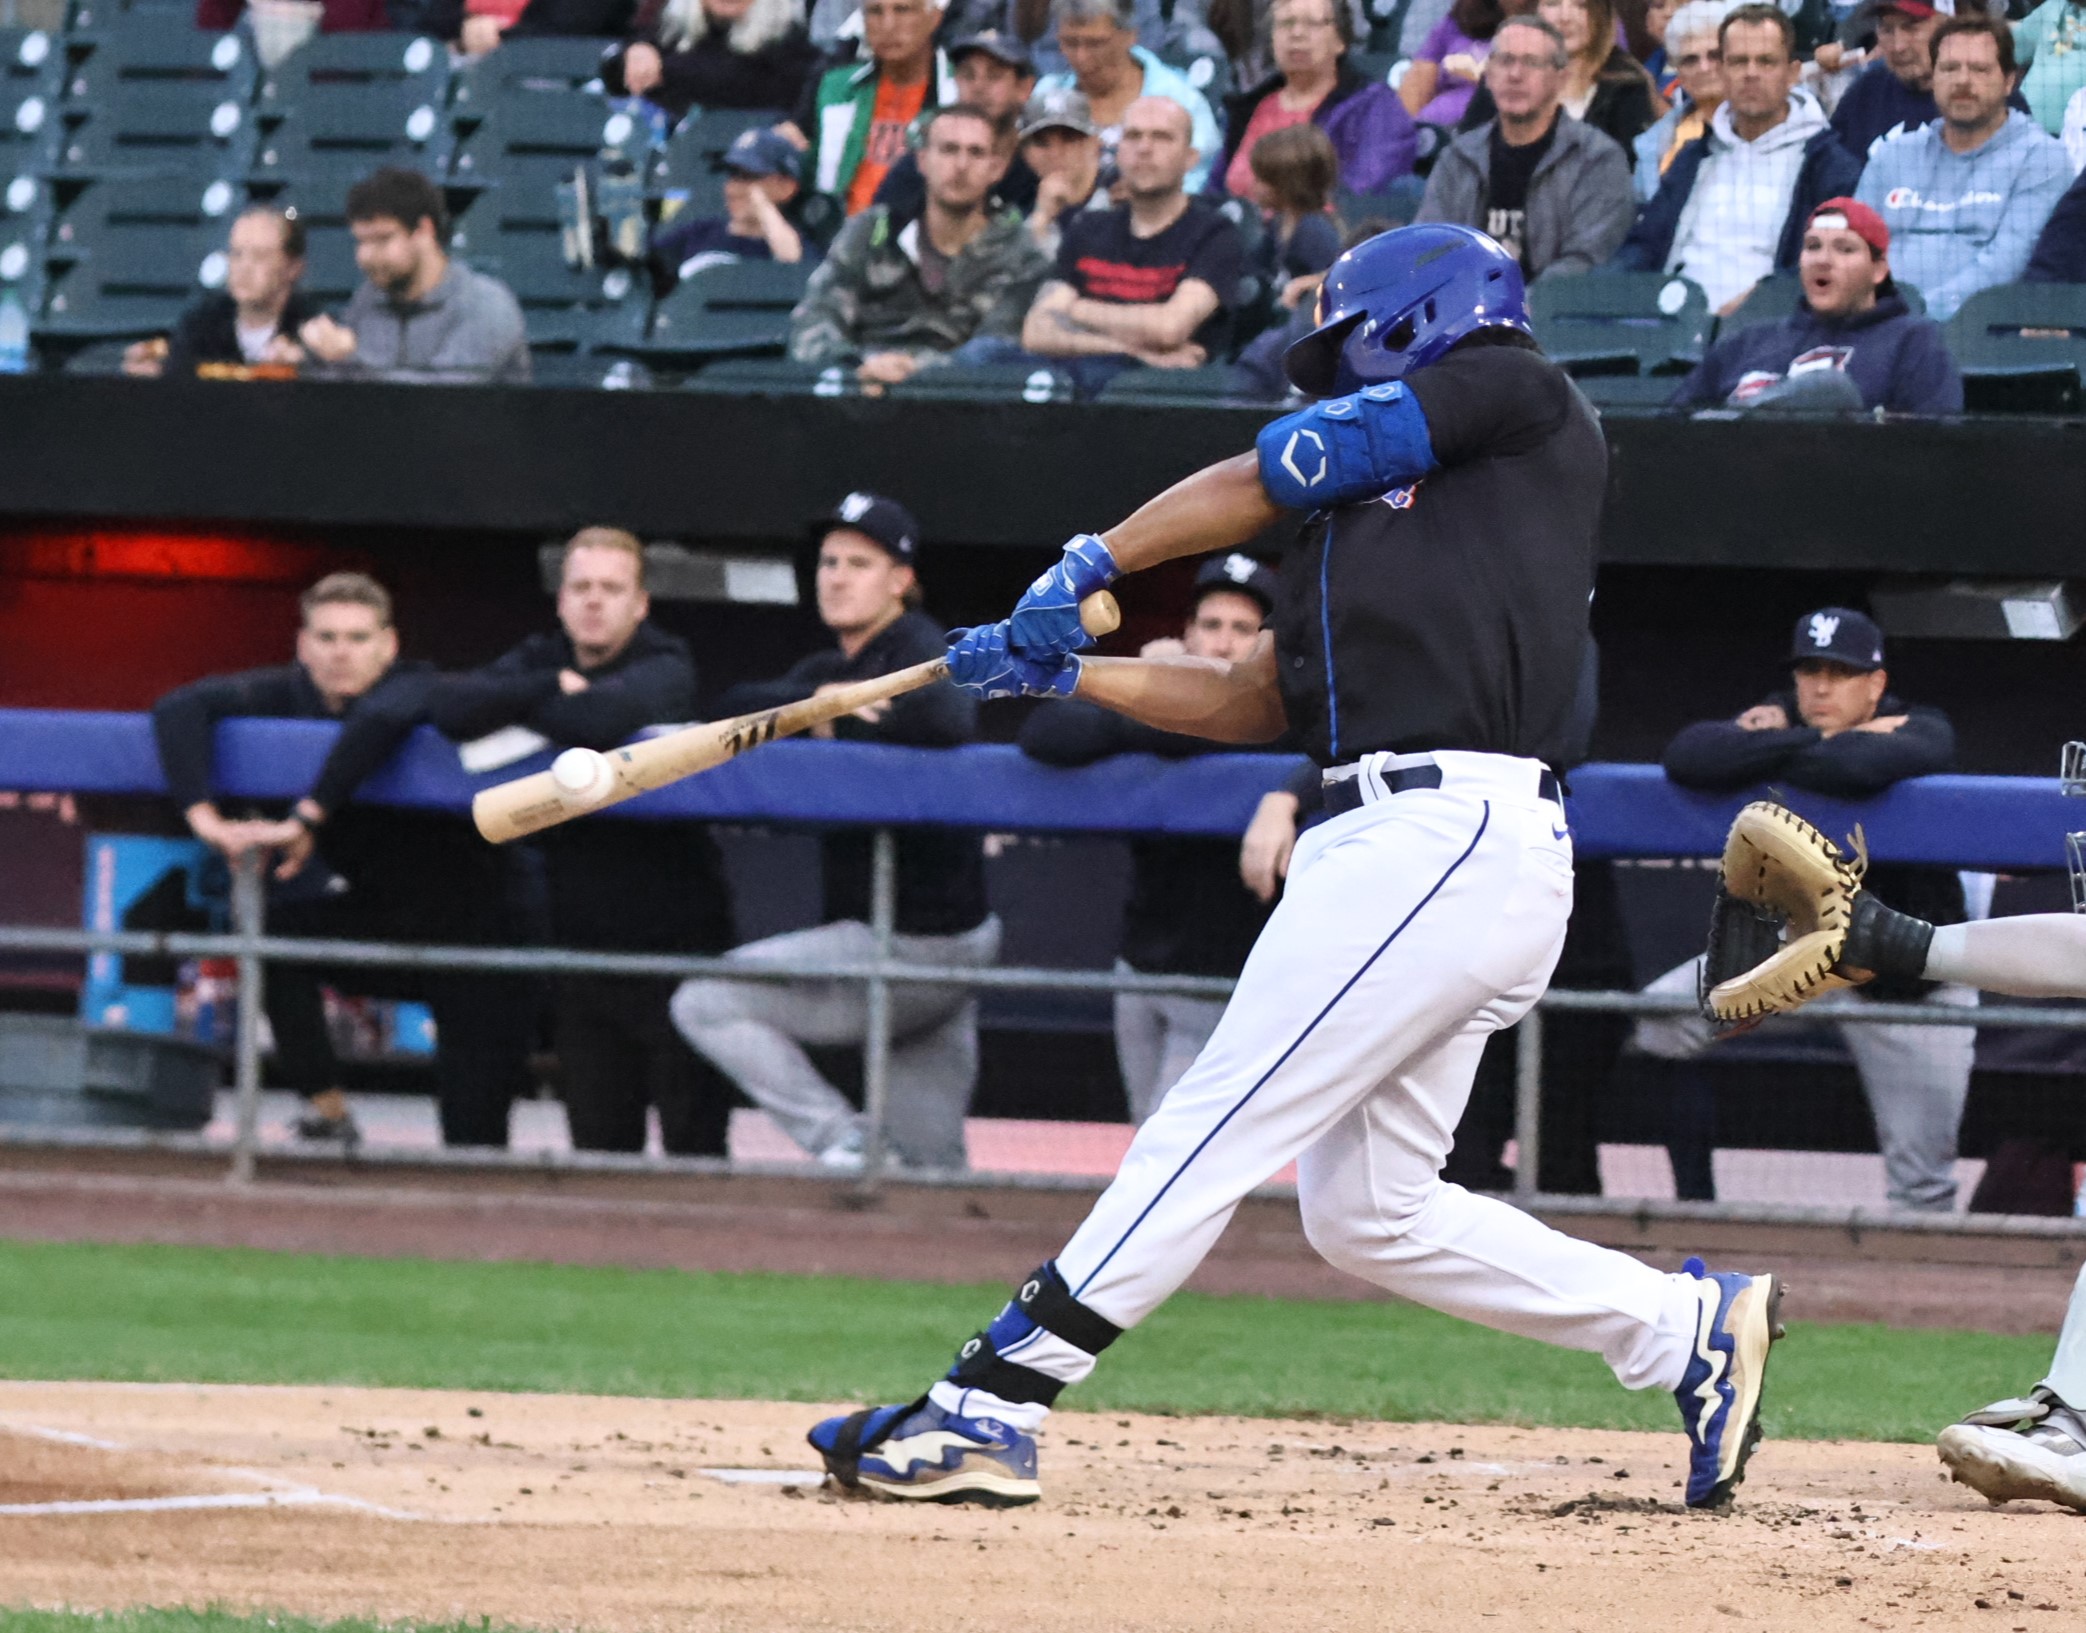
606, 1514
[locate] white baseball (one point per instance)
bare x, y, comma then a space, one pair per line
579, 772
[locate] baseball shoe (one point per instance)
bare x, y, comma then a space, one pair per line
922, 1452
326, 1118
1719, 1395
2033, 1448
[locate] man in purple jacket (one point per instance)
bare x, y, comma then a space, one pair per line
1852, 342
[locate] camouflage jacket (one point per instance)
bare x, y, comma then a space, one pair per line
867, 294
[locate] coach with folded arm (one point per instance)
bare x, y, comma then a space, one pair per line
755, 1030
356, 871
657, 887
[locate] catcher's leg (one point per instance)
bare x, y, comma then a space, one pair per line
2034, 1446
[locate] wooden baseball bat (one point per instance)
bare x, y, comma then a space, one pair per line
582, 780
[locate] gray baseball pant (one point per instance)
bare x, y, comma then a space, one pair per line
754, 1031
1157, 1040
1916, 1079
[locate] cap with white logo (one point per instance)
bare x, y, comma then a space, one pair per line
1838, 635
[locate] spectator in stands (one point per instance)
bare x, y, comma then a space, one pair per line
855, 116
993, 74
2051, 41
254, 318
1605, 88
1062, 145
1258, 371
1152, 281
419, 314
760, 188
338, 17
1245, 32
717, 54
1554, 191
1966, 196
1370, 131
1658, 17
1894, 92
1443, 74
1293, 174
895, 296
1840, 731
605, 673
1189, 912
1099, 40
755, 1031
1697, 62
1734, 202
2060, 251
1851, 343
351, 870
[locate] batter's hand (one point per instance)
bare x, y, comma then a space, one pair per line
983, 662
1046, 619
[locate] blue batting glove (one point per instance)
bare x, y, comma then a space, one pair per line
1046, 619
983, 663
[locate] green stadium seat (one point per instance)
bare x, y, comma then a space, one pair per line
1217, 382
1621, 322
733, 308
372, 63
2022, 348
994, 382
774, 377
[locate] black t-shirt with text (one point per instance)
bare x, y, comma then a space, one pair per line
1451, 613
1506, 193
1101, 258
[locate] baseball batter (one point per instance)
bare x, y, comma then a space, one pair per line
1426, 648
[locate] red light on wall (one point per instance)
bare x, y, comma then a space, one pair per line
162, 555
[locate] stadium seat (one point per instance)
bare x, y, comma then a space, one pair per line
333, 126
374, 63
1621, 322
775, 377
737, 307
160, 128
533, 64
1208, 73
31, 59
31, 129
687, 164
2022, 348
131, 282
24, 226
997, 382
1218, 382
1641, 391
156, 48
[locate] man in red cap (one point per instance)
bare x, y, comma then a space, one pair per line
1895, 92
1851, 343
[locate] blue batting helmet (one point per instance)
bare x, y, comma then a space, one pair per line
1398, 301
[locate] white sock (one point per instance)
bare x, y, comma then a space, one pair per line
2036, 955
1027, 1416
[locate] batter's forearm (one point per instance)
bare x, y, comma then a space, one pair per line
1218, 507
1198, 697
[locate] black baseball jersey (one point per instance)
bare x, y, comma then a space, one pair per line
1451, 612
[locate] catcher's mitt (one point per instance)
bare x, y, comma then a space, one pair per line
1780, 925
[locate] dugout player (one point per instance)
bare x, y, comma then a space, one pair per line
356, 871
1427, 644
1189, 912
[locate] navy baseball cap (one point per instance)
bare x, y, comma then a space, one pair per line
1239, 573
1838, 635
760, 153
1000, 47
886, 521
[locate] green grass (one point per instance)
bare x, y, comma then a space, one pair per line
210, 1621
239, 1316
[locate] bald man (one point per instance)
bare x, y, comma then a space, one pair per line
1151, 281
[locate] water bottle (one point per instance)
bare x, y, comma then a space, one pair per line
14, 333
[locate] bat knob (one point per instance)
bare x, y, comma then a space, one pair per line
1099, 615
580, 773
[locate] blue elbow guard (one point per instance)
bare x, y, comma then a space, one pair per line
1346, 449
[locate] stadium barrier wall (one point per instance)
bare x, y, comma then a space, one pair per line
1615, 811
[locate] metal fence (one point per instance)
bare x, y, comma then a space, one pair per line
252, 949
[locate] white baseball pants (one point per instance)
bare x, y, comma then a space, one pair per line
1410, 931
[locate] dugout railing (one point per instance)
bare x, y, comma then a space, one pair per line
1616, 811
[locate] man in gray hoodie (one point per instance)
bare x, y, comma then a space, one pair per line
1966, 196
1553, 191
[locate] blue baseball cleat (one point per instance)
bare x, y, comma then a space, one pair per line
1720, 1393
923, 1452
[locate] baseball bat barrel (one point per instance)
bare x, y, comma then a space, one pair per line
527, 805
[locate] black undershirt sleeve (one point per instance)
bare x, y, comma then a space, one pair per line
184, 723
649, 691
1715, 754
370, 733
1856, 763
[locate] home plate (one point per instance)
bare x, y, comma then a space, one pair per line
765, 1477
